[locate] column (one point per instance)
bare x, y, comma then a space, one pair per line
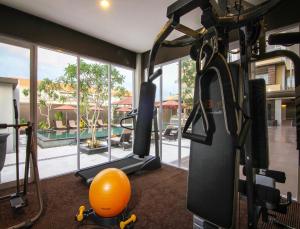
278, 103
137, 79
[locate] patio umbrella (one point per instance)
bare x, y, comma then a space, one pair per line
124, 109
124, 101
65, 108
170, 104
96, 108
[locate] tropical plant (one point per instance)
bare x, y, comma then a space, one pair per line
23, 121
48, 93
188, 82
43, 125
26, 92
58, 116
93, 90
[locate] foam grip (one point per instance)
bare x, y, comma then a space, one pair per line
16, 109
284, 38
142, 133
278, 176
3, 126
132, 219
259, 136
80, 216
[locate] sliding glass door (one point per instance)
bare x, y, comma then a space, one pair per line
188, 75
15, 83
170, 120
94, 97
122, 85
56, 119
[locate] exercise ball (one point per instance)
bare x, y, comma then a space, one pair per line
109, 192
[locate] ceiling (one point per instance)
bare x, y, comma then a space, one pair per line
131, 24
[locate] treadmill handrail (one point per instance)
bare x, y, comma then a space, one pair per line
131, 115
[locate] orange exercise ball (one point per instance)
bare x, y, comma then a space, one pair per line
109, 192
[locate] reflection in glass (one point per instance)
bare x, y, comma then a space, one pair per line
14, 84
56, 90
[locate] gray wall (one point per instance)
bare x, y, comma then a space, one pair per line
33, 29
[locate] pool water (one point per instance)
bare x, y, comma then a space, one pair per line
72, 133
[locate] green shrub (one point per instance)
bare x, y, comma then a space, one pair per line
43, 125
23, 121
58, 116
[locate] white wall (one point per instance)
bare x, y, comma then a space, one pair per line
6, 111
278, 115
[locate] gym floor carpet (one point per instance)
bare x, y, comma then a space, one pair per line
159, 201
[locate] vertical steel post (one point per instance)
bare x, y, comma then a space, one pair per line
109, 112
247, 149
179, 112
78, 112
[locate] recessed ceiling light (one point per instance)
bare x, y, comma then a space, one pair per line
105, 4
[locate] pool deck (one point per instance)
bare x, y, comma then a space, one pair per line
61, 160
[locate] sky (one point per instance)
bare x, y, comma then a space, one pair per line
169, 82
14, 62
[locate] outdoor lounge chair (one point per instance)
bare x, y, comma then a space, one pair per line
72, 124
170, 133
59, 125
123, 140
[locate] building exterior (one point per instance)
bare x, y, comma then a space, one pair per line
9, 91
279, 76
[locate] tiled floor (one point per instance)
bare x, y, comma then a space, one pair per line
284, 156
61, 160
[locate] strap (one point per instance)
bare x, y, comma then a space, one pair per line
195, 116
219, 66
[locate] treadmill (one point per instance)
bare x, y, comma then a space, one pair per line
140, 158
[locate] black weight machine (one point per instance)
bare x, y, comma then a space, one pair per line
18, 200
228, 120
139, 159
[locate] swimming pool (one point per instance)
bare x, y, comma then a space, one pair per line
55, 138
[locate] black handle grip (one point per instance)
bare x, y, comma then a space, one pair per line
16, 109
278, 176
3, 126
284, 38
156, 74
123, 119
195, 137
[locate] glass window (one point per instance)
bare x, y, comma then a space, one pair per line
170, 118
57, 105
157, 105
262, 76
14, 84
93, 112
233, 55
121, 105
188, 75
281, 116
